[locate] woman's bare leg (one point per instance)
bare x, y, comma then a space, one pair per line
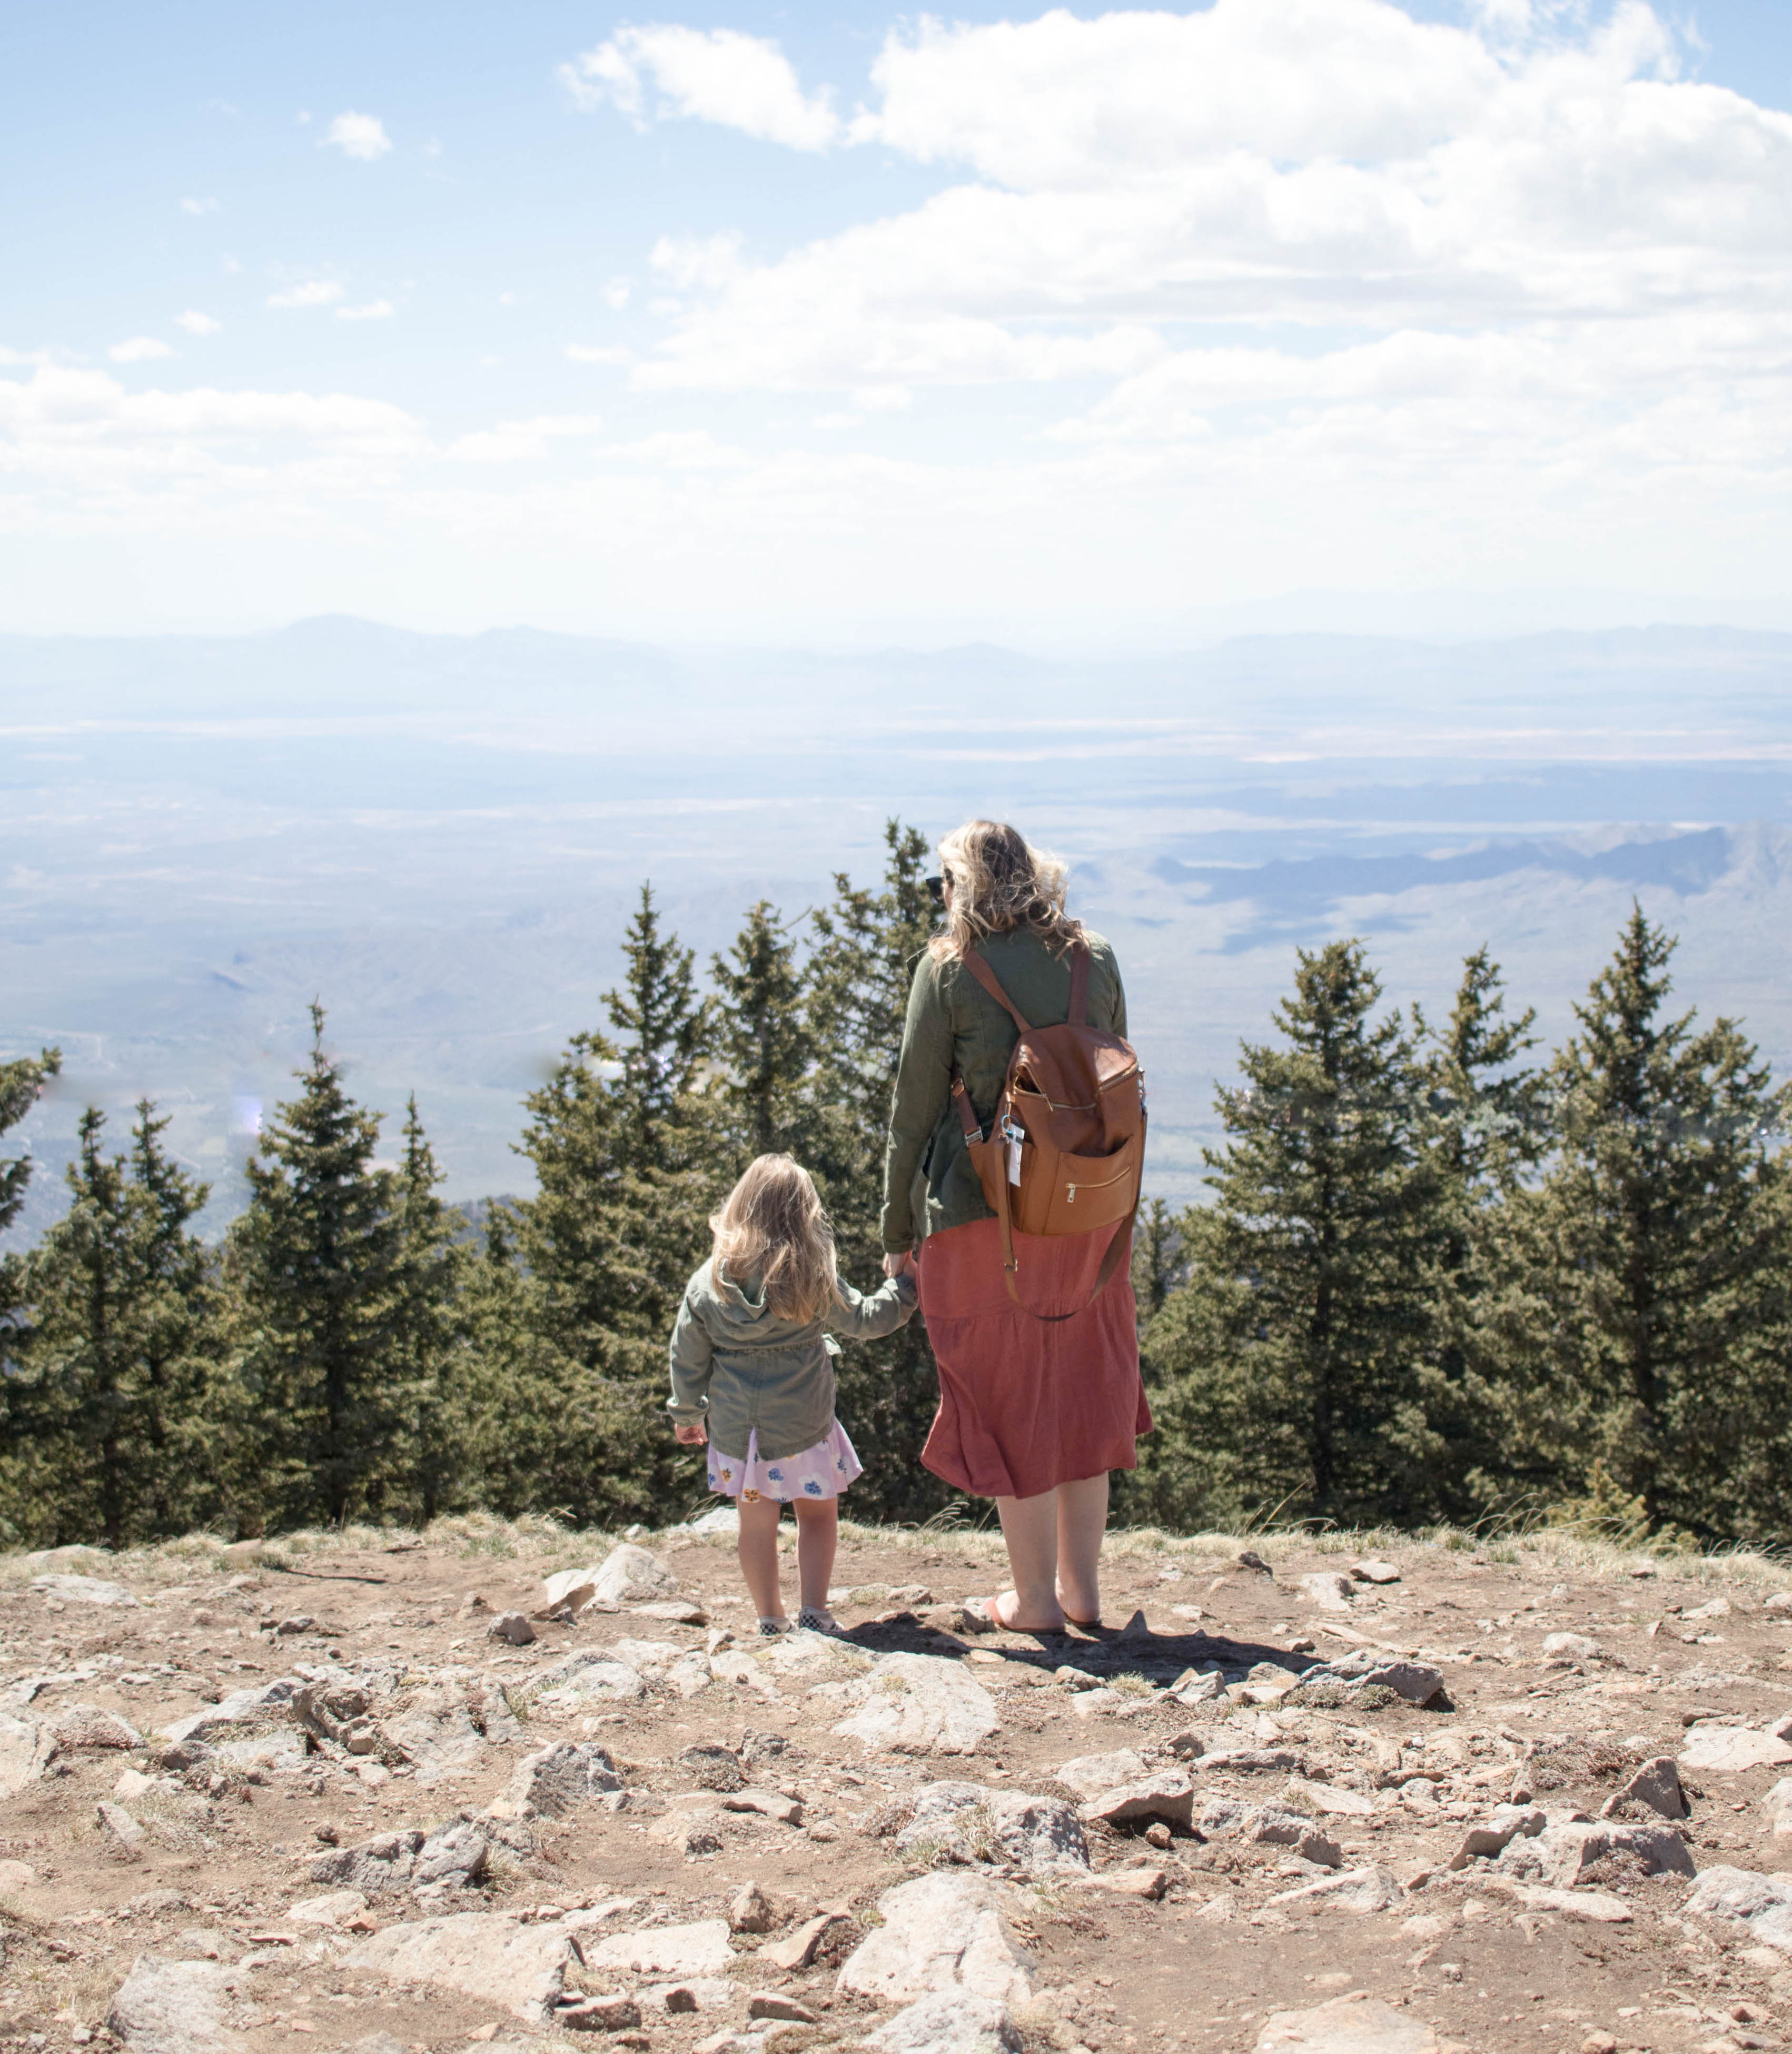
1030, 1526
817, 1537
1082, 1520
757, 1548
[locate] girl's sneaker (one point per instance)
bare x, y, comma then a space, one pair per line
817, 1619
771, 1628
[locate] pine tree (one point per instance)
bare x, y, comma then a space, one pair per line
1486, 1130
428, 1354
867, 944
118, 1416
630, 1158
763, 1037
1657, 1252
317, 1261
546, 1431
20, 1081
1292, 1360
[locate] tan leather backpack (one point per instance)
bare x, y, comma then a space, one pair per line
1068, 1150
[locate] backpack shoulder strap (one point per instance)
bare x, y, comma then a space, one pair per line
1079, 985
992, 984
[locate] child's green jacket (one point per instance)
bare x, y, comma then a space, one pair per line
737, 1366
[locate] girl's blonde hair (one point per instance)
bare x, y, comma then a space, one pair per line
1000, 883
771, 1226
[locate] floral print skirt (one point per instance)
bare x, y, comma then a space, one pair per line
822, 1471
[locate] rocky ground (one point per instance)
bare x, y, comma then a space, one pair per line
507, 1784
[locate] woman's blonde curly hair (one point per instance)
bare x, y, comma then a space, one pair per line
1000, 883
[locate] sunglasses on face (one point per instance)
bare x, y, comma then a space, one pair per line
936, 889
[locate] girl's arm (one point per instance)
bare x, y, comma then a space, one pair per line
864, 1318
923, 1084
692, 1356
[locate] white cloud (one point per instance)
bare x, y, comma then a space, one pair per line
1323, 163
516, 442
374, 310
584, 352
314, 292
197, 323
139, 349
718, 75
616, 294
199, 207
361, 135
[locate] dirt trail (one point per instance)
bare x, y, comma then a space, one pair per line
244, 1787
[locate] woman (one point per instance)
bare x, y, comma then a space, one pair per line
1031, 1414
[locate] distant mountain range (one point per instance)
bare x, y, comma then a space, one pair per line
441, 837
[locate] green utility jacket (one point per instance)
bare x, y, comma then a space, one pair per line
929, 1183
737, 1365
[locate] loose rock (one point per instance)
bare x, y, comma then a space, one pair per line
958, 2023
699, 1949
520, 1967
548, 1783
752, 1911
1362, 1890
165, 2007
1169, 1795
26, 1751
1656, 1785
942, 1933
1760, 1905
919, 1703
511, 1626
1728, 1750
1358, 2023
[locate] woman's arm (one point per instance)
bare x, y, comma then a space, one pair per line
863, 1317
923, 1084
692, 1357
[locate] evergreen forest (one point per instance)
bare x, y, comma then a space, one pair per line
1439, 1275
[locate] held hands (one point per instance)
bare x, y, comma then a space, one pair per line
899, 1265
692, 1435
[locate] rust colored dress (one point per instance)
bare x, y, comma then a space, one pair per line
1024, 1406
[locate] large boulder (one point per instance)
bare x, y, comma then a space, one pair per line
520, 1968
920, 1704
942, 1933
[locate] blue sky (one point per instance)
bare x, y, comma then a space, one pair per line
802, 323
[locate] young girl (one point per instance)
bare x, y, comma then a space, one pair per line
753, 1374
